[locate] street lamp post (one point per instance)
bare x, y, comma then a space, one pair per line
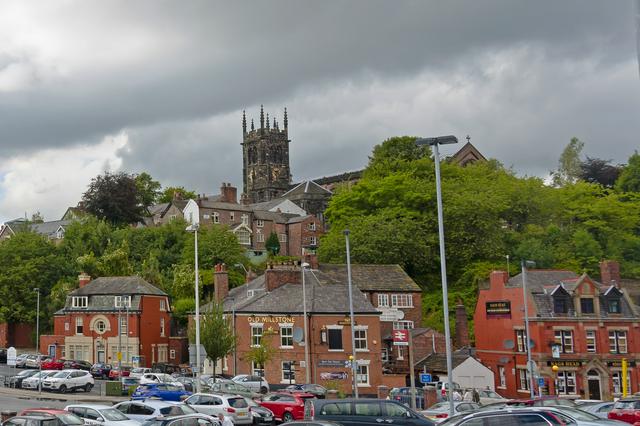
527, 342
435, 142
354, 361
37, 290
307, 371
194, 228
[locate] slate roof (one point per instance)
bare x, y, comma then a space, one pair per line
297, 219
273, 216
307, 187
215, 204
47, 229
437, 362
115, 286
323, 296
372, 277
267, 205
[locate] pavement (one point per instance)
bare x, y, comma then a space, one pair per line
67, 397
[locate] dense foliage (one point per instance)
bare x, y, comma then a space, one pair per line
489, 213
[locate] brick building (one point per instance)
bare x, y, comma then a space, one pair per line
108, 315
583, 326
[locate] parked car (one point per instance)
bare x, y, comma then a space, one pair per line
16, 380
33, 361
77, 364
69, 380
440, 410
541, 401
316, 390
33, 381
21, 360
163, 367
286, 406
100, 370
159, 378
139, 371
507, 416
193, 419
626, 410
600, 409
31, 421
117, 372
188, 383
63, 417
255, 383
403, 395
150, 409
234, 388
104, 414
164, 391
315, 423
53, 364
261, 415
363, 412
3, 355
128, 382
488, 396
233, 406
575, 416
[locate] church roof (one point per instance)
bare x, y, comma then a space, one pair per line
467, 154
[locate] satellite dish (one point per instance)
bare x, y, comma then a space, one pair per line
298, 335
509, 344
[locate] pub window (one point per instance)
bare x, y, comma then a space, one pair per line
618, 342
256, 369
256, 335
566, 382
360, 339
521, 339
591, 341
79, 327
288, 372
79, 301
383, 300
335, 339
286, 336
617, 382
362, 375
503, 377
523, 376
586, 305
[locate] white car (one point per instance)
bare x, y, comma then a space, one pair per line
159, 378
69, 380
255, 383
33, 381
100, 415
141, 411
139, 372
233, 406
488, 396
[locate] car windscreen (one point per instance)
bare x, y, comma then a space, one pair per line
70, 419
579, 414
238, 403
61, 374
113, 415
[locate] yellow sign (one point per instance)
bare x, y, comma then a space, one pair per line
270, 318
119, 356
625, 372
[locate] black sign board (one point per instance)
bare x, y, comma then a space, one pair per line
499, 308
618, 363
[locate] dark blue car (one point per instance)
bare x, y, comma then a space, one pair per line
164, 391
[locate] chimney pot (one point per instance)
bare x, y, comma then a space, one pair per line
83, 279
498, 278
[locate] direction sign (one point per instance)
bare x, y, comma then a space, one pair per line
425, 378
541, 382
11, 356
401, 337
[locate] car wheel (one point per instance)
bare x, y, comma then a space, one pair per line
87, 387
264, 390
287, 417
63, 389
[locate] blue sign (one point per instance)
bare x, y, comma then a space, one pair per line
541, 381
425, 378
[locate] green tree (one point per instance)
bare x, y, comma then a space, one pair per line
167, 195
569, 165
216, 334
273, 244
148, 189
216, 244
629, 180
595, 170
263, 353
115, 198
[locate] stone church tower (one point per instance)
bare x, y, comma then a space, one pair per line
265, 153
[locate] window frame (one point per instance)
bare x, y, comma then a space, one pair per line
521, 340
615, 337
256, 338
80, 302
591, 341
563, 382
79, 325
565, 340
360, 341
334, 330
362, 373
524, 382
288, 376
286, 339
592, 307
383, 300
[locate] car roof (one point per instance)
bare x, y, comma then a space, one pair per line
46, 410
156, 403
94, 406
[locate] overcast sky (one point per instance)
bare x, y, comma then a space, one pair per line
159, 86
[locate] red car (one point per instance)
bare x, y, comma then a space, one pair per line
626, 410
286, 406
53, 364
65, 417
114, 373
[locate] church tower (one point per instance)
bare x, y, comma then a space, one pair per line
265, 154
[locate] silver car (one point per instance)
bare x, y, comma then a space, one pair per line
574, 416
141, 411
101, 414
33, 381
600, 409
233, 406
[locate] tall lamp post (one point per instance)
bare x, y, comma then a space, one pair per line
194, 228
37, 290
524, 264
307, 369
354, 361
435, 142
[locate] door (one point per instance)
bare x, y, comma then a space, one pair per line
52, 351
594, 389
101, 356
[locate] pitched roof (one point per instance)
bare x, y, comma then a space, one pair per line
372, 277
437, 363
49, 228
273, 216
307, 187
297, 219
118, 286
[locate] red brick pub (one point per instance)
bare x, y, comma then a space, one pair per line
584, 327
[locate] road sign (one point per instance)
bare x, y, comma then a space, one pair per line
541, 382
425, 378
401, 337
11, 356
119, 355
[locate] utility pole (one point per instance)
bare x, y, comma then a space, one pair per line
354, 360
526, 328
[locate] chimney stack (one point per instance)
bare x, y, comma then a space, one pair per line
220, 282
462, 326
498, 279
83, 279
278, 275
228, 193
610, 272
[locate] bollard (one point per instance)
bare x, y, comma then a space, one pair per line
383, 392
6, 415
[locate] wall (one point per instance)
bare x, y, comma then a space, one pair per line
472, 374
18, 335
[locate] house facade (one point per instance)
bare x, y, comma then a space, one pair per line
111, 319
584, 327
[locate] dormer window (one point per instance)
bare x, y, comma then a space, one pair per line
122, 302
245, 219
586, 305
80, 302
560, 305
614, 306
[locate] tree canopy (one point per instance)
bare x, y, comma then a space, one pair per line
115, 198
